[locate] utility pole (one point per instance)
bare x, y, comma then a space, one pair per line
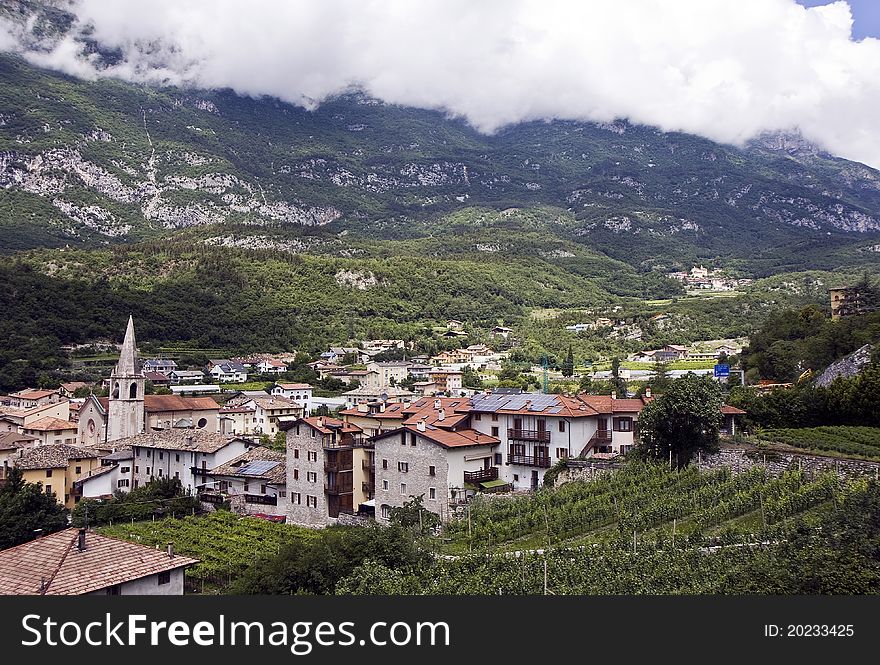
545, 574
546, 364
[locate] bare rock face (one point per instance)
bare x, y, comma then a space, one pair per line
846, 367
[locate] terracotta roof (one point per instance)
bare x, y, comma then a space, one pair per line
195, 440
329, 424
732, 411
393, 411
447, 438
604, 403
271, 403
33, 394
294, 386
56, 561
153, 403
74, 385
55, 456
455, 411
277, 474
13, 440
155, 376
50, 425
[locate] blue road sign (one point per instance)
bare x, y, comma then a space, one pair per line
722, 370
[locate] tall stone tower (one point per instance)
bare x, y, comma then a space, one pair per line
126, 413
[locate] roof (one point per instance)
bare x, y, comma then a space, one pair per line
55, 456
327, 425
119, 455
732, 411
11, 440
274, 471
446, 438
272, 402
50, 425
391, 391
74, 385
294, 386
154, 403
127, 364
393, 411
195, 440
455, 411
155, 376
33, 394
188, 372
532, 404
56, 562
606, 404
234, 409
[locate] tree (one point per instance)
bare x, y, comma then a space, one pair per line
470, 378
586, 383
618, 383
684, 420
568, 365
26, 511
661, 379
414, 516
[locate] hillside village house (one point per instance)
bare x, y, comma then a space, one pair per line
389, 373
115, 474
157, 378
376, 417
12, 444
227, 371
271, 366
336, 354
329, 470
363, 377
383, 394
501, 331
447, 380
180, 453
301, 393
28, 399
186, 376
76, 562
160, 365
58, 467
254, 483
68, 389
13, 419
52, 430
266, 413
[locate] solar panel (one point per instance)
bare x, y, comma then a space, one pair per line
556, 409
257, 468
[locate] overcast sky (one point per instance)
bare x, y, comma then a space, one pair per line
724, 69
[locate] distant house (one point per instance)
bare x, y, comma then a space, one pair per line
78, 562
501, 331
13, 419
389, 373
453, 333
68, 389
267, 411
454, 324
336, 353
446, 380
157, 378
12, 445
58, 467
114, 475
161, 365
227, 371
28, 399
255, 482
301, 393
186, 376
51, 431
385, 394
271, 366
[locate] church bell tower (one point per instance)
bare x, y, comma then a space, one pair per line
127, 382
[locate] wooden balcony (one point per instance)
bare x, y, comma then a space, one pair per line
335, 489
542, 461
367, 465
528, 434
475, 477
264, 499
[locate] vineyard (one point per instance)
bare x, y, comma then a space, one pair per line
225, 543
863, 442
642, 500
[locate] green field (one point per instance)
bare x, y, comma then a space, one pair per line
861, 442
226, 544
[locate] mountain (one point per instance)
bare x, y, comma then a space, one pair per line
103, 162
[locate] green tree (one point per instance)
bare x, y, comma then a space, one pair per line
414, 516
619, 384
26, 511
682, 421
568, 365
660, 381
470, 378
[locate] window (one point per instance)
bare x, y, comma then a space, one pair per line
177, 457
384, 463
311, 476
403, 466
122, 483
282, 493
48, 489
386, 511
561, 425
202, 423
296, 474
432, 493
48, 473
133, 391
385, 485
149, 453
412, 439
296, 453
403, 488
262, 489
296, 498
498, 459
432, 471
137, 469
494, 417
125, 469
477, 416
161, 455
626, 424
311, 501
403, 437
113, 590
78, 470
516, 477
148, 471
561, 453
314, 434
160, 473
165, 578
312, 456
495, 432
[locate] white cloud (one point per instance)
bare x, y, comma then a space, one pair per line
724, 70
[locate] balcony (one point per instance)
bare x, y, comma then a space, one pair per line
368, 489
264, 499
542, 462
336, 467
601, 436
368, 465
211, 497
335, 489
481, 476
529, 434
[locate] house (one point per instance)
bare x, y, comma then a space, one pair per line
58, 467
194, 389
271, 366
76, 562
236, 420
453, 334
186, 376
435, 456
160, 365
376, 417
15, 420
266, 412
501, 331
384, 394
114, 475
699, 272
329, 470
383, 345
51, 431
298, 392
426, 388
420, 371
227, 371
849, 301
12, 444
158, 378
361, 376
389, 373
446, 380
728, 424
29, 399
336, 353
254, 482
454, 324
68, 389
181, 453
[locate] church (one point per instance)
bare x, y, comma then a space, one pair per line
128, 411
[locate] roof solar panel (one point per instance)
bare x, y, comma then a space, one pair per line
257, 468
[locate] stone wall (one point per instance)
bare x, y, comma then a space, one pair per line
776, 463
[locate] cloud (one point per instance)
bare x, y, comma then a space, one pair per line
720, 69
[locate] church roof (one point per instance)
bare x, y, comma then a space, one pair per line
128, 365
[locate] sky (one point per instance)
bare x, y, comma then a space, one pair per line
724, 69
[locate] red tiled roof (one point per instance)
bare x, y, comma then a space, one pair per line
175, 403
64, 570
50, 425
329, 423
447, 438
732, 411
33, 394
394, 411
604, 403
294, 386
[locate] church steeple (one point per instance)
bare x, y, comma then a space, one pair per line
126, 415
128, 365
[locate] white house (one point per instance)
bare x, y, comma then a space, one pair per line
255, 482
301, 393
271, 366
185, 376
227, 371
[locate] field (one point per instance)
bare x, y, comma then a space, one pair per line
641, 501
861, 442
225, 543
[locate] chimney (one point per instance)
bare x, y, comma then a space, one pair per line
189, 440
647, 391
170, 550
613, 394
441, 415
437, 403
421, 425
382, 407
81, 540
